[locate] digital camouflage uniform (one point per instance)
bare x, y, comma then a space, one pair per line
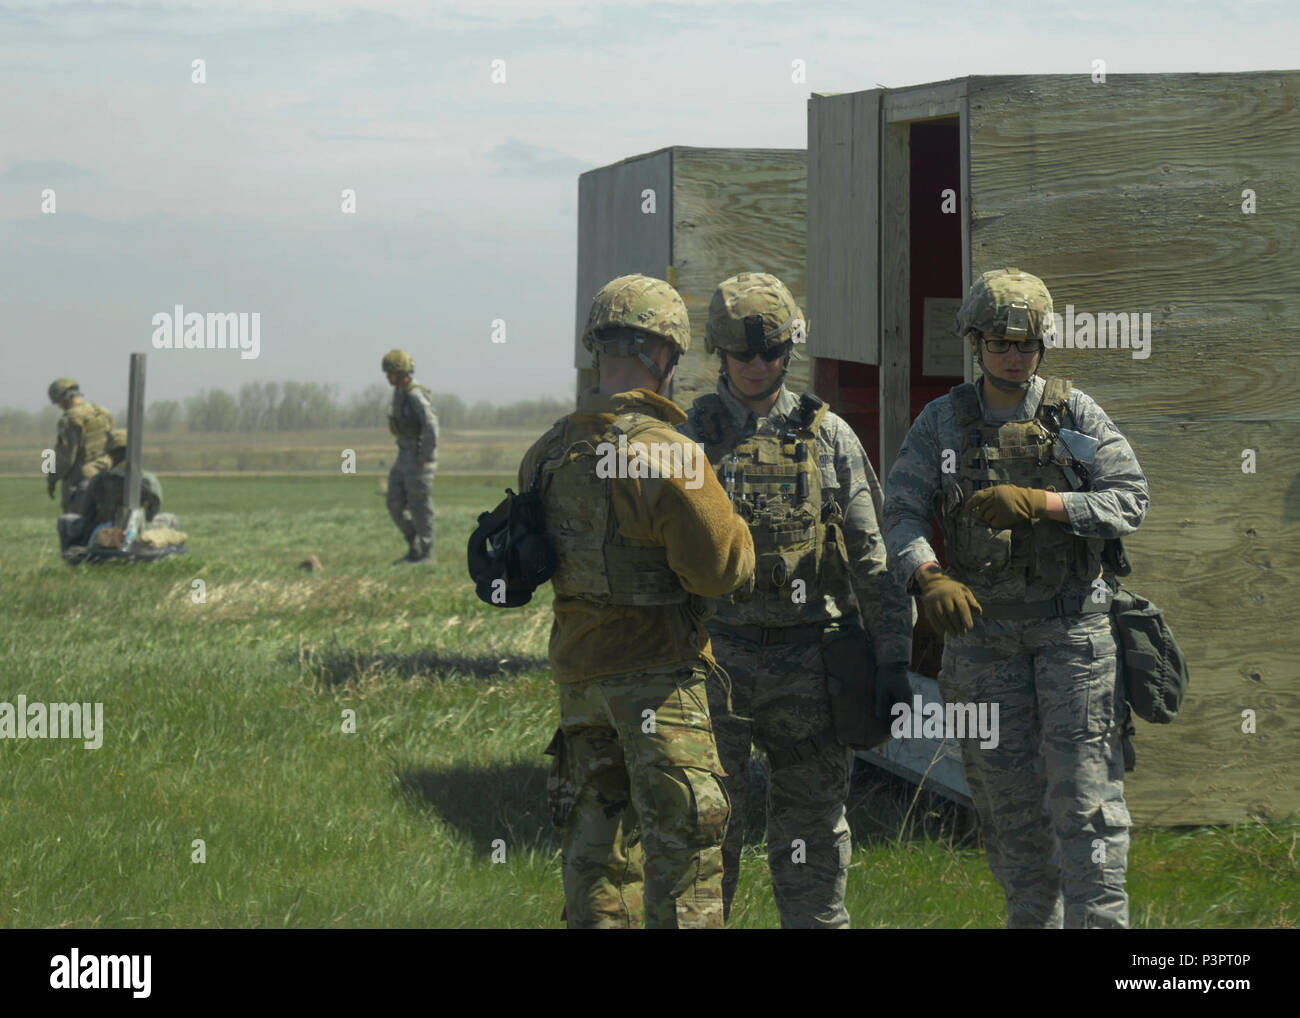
635, 786
410, 481
778, 688
80, 450
1050, 795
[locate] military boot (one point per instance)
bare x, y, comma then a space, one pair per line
421, 552
410, 553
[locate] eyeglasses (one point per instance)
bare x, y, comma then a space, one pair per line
1003, 345
774, 354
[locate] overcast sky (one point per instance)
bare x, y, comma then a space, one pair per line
225, 196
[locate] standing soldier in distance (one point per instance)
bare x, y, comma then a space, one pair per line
80, 450
801, 479
1023, 624
637, 556
410, 482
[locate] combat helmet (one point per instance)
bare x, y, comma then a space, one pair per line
1008, 303
398, 362
753, 313
628, 309
62, 388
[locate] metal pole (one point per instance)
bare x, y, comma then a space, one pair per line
134, 442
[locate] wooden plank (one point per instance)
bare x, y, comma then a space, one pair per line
1126, 197
735, 210
895, 292
963, 128
843, 226
1219, 552
615, 237
925, 102
931, 763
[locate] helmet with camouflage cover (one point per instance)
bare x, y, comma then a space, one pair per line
643, 303
628, 309
1011, 303
397, 362
752, 312
62, 388
1008, 304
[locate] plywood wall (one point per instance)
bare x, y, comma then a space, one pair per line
1127, 197
735, 210
844, 226
615, 237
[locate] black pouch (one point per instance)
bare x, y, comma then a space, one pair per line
509, 554
1154, 667
850, 664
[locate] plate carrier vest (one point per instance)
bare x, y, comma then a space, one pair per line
775, 483
596, 563
1024, 453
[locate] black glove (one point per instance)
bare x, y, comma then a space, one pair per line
892, 686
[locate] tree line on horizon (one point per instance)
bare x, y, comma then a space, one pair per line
300, 406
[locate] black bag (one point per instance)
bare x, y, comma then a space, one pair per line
509, 553
1153, 666
850, 663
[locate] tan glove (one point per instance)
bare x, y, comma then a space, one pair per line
1005, 505
947, 602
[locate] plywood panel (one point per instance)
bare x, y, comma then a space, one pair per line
1219, 552
1127, 196
614, 236
843, 226
735, 210
895, 296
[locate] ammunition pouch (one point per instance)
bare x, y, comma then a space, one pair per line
509, 554
850, 664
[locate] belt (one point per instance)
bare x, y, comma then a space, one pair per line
1061, 604
765, 635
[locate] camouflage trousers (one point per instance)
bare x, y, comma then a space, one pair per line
1050, 795
410, 501
635, 789
779, 700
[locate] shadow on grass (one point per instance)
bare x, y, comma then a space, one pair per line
335, 666
506, 801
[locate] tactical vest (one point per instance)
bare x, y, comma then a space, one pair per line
401, 422
95, 423
595, 563
1025, 453
775, 483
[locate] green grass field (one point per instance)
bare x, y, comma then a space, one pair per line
223, 722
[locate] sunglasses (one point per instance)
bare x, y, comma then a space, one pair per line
775, 354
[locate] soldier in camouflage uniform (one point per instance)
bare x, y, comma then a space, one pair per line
105, 497
410, 482
1033, 479
79, 450
635, 788
799, 476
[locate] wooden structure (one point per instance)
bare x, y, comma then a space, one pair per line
1168, 195
692, 216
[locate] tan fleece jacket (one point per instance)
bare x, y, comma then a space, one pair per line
707, 544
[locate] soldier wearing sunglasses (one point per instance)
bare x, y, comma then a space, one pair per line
796, 650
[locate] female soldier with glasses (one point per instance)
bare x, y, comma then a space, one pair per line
1031, 479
